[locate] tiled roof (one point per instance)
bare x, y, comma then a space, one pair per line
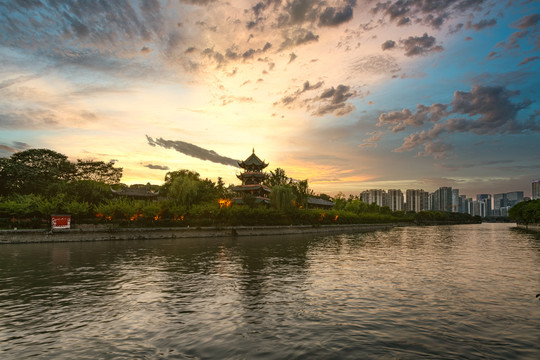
253, 160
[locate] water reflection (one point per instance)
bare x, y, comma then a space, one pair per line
461, 291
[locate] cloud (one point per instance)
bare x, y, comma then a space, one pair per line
375, 64
289, 99
17, 80
528, 30
334, 100
431, 13
529, 59
399, 120
437, 149
298, 37
156, 167
334, 17
14, 147
485, 110
420, 45
193, 151
482, 24
372, 141
388, 44
527, 21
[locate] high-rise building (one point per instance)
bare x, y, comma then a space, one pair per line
455, 200
536, 189
395, 200
514, 197
417, 200
441, 199
503, 202
486, 198
376, 196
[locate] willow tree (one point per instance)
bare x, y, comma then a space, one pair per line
282, 197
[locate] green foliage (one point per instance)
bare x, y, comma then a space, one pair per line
526, 212
97, 171
277, 178
46, 172
282, 197
301, 192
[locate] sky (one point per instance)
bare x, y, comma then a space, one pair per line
349, 94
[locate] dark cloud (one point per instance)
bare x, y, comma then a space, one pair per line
485, 110
528, 30
529, 59
298, 37
388, 44
527, 21
292, 57
198, 2
334, 17
334, 101
291, 98
14, 147
192, 150
399, 120
482, 24
420, 45
433, 13
156, 167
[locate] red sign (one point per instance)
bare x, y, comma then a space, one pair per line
60, 221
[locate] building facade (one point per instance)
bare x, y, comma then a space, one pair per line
536, 189
416, 200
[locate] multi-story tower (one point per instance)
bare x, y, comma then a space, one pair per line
417, 200
395, 200
455, 200
486, 198
376, 196
514, 197
536, 189
441, 199
252, 179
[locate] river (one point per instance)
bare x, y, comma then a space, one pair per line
448, 292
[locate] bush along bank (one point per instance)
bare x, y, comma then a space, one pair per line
34, 213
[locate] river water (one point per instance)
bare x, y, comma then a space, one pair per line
465, 291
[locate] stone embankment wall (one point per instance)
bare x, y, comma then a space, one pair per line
531, 227
104, 234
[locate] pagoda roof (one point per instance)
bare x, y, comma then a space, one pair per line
251, 187
253, 160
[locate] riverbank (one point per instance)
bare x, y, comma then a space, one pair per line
107, 234
530, 227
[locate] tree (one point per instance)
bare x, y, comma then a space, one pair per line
98, 171
184, 190
301, 192
31, 171
277, 178
282, 197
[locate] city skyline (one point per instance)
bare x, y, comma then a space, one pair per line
352, 95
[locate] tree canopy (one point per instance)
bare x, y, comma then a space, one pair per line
33, 171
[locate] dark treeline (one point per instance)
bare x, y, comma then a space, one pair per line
37, 183
526, 212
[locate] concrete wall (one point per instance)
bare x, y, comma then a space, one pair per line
101, 234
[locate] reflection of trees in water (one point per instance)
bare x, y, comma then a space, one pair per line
274, 271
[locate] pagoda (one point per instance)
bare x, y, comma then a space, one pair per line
252, 180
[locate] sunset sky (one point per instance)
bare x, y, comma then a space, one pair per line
349, 94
